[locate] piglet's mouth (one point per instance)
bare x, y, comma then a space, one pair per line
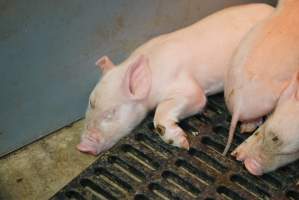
253, 166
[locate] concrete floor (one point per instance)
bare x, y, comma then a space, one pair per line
39, 170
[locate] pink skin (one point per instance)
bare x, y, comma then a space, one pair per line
172, 73
276, 142
249, 126
262, 66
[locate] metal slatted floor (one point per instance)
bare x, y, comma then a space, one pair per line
141, 166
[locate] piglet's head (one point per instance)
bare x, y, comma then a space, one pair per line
276, 142
116, 104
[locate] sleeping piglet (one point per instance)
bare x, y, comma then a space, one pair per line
262, 67
173, 72
276, 142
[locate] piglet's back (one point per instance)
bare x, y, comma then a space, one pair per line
204, 48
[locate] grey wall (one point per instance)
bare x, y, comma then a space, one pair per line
48, 49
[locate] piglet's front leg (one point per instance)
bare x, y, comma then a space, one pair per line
180, 105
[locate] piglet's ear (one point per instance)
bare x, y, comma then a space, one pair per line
292, 90
105, 64
138, 79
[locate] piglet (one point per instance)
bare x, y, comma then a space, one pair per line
276, 142
262, 67
173, 72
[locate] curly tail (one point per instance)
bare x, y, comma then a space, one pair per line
232, 128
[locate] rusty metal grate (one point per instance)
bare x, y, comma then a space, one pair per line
142, 167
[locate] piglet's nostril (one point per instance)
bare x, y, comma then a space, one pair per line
235, 154
240, 156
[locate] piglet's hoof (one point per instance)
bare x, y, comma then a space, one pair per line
179, 137
170, 141
185, 144
160, 130
250, 126
247, 128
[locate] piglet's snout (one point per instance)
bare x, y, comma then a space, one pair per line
90, 142
252, 160
253, 165
87, 148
